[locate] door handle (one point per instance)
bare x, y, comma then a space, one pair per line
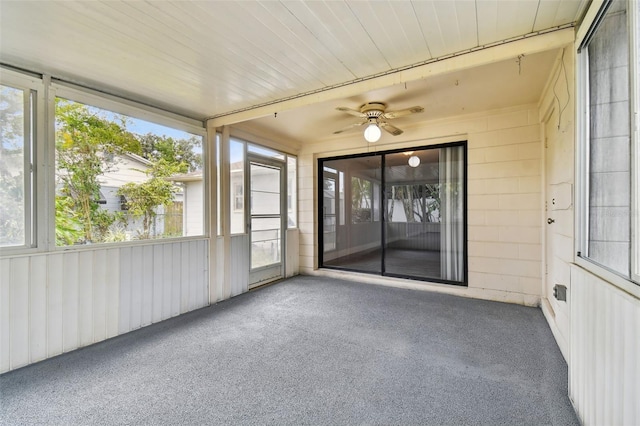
550, 221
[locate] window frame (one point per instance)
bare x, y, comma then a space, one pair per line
292, 190
634, 85
134, 110
35, 219
592, 19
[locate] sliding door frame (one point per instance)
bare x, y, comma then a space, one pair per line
383, 211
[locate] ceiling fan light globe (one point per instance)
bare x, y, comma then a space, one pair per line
372, 133
414, 161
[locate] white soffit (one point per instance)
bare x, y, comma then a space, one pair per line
497, 85
209, 58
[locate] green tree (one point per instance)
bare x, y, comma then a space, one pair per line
184, 153
86, 145
68, 223
144, 198
11, 166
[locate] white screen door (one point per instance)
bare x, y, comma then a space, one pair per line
266, 223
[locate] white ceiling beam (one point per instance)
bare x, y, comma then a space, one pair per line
475, 58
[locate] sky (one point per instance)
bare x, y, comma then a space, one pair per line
142, 127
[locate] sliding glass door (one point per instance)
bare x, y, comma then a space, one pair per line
421, 231
351, 214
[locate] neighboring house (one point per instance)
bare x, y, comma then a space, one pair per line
131, 168
127, 168
192, 202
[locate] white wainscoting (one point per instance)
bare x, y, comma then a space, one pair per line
240, 256
57, 302
604, 367
292, 258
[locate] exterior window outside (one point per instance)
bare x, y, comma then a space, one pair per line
16, 106
218, 187
236, 158
119, 178
610, 154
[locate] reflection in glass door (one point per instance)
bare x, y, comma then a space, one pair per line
404, 214
351, 214
266, 228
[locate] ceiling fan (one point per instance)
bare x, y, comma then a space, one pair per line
374, 114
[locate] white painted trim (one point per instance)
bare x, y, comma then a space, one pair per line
587, 21
582, 156
127, 107
469, 292
34, 217
581, 152
549, 315
107, 246
611, 278
211, 197
8, 76
634, 83
267, 140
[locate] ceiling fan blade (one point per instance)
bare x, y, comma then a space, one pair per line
352, 126
391, 129
403, 112
352, 112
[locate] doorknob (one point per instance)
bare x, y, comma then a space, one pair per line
550, 221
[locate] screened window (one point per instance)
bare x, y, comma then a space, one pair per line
608, 205
218, 187
236, 182
17, 116
421, 234
119, 178
292, 192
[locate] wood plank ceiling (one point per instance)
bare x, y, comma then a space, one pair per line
208, 58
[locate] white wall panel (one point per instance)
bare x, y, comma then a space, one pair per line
38, 308
239, 258
219, 272
124, 317
99, 314
19, 289
112, 305
158, 283
57, 302
185, 284
292, 246
147, 284
85, 298
5, 315
70, 269
604, 367
203, 265
167, 265
55, 278
135, 284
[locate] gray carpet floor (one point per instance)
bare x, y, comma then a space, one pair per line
309, 351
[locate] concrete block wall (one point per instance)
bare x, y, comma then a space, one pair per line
557, 110
505, 208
